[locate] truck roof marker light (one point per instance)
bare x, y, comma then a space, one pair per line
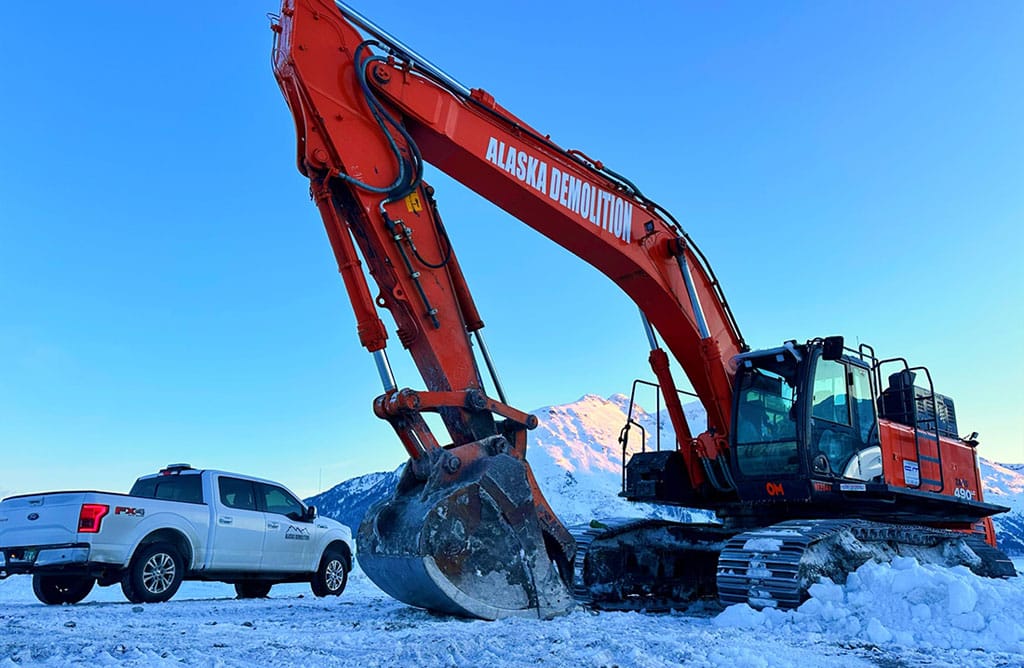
175, 468
90, 517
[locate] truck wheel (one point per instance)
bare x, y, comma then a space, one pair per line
253, 589
154, 575
332, 576
58, 589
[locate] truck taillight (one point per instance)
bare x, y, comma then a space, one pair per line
91, 516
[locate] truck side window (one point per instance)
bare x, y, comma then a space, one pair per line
144, 487
235, 493
185, 488
277, 500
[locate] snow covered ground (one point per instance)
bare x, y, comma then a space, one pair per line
904, 615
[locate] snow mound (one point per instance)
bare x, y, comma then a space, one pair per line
905, 604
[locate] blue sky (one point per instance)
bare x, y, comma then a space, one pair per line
167, 292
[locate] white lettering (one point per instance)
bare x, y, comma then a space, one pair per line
617, 218
563, 197
556, 183
627, 221
492, 150
531, 171
601, 208
574, 195
521, 166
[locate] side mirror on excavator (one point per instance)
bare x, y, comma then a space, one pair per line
832, 348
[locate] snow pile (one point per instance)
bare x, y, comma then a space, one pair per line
903, 604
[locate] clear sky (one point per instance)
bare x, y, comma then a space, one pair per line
167, 292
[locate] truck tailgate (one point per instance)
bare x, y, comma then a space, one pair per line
40, 519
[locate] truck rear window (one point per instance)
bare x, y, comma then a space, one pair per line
186, 488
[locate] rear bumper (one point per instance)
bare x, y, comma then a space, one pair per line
33, 558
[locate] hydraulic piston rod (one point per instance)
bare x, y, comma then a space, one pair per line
401, 48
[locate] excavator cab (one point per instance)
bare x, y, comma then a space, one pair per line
804, 417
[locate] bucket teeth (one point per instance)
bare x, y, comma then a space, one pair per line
465, 542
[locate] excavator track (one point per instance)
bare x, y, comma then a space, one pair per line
585, 534
645, 564
774, 566
653, 565
763, 567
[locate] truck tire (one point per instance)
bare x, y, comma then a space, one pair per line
252, 589
154, 575
332, 575
59, 589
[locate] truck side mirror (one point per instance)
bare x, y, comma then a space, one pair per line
832, 348
311, 513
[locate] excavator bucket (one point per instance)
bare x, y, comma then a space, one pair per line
464, 538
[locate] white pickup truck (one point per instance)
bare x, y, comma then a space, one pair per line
179, 524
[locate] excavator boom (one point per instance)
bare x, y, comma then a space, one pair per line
369, 112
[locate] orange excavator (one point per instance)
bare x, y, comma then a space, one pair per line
816, 457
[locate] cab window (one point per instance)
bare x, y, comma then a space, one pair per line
865, 404
235, 493
278, 501
766, 443
185, 488
829, 401
841, 446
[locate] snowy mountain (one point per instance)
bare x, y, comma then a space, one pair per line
577, 459
575, 455
347, 502
1004, 484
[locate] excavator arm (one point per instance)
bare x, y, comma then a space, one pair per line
369, 112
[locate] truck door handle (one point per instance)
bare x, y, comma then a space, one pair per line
272, 525
224, 520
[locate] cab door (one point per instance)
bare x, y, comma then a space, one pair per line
289, 537
239, 528
843, 434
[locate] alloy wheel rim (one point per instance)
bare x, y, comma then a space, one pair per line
335, 574
158, 573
